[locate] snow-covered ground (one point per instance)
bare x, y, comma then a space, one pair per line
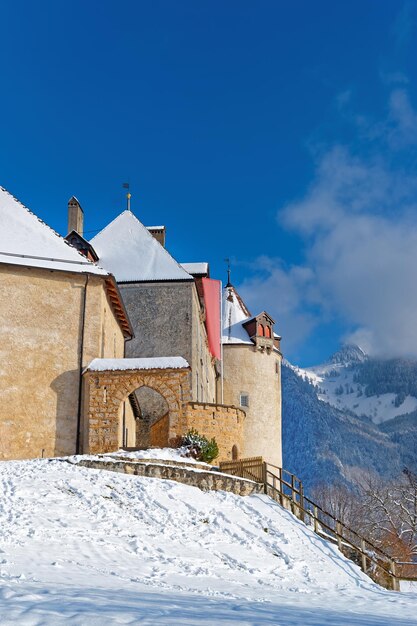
329, 378
90, 547
157, 454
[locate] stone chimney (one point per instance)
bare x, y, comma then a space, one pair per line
159, 233
75, 216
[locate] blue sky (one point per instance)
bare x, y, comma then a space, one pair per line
280, 134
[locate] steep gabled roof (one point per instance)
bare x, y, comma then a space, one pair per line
235, 313
127, 249
26, 240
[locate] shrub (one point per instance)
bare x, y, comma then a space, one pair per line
200, 447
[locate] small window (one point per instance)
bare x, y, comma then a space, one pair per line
261, 332
235, 453
268, 332
244, 399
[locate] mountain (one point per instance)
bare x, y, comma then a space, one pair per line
348, 354
380, 389
351, 414
403, 431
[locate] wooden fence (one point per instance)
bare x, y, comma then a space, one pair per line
252, 469
287, 489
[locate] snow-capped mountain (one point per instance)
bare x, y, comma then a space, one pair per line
351, 414
348, 354
380, 389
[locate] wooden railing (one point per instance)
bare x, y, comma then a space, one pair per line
252, 469
287, 489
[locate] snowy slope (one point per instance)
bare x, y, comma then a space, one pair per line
82, 546
324, 445
335, 383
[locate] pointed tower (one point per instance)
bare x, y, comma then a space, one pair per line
252, 376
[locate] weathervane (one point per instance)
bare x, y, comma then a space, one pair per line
229, 284
128, 194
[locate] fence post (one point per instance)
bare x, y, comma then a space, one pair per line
302, 516
264, 477
316, 521
363, 555
338, 536
281, 499
394, 580
293, 496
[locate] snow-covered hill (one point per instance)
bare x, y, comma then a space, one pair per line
344, 381
90, 547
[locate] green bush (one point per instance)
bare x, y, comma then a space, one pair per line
200, 447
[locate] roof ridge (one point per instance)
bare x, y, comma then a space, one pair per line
49, 228
146, 234
110, 223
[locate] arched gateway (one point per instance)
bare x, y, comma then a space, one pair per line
109, 382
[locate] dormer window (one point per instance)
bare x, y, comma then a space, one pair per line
268, 332
261, 331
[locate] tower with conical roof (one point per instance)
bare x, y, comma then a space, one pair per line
252, 376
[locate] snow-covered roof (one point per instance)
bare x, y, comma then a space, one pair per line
26, 240
196, 268
234, 314
155, 363
126, 248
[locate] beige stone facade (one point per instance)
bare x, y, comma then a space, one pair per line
46, 338
257, 375
225, 423
106, 391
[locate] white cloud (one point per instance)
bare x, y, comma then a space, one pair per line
402, 121
358, 222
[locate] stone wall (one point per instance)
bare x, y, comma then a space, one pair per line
41, 314
258, 374
160, 314
224, 423
206, 481
106, 390
167, 321
159, 434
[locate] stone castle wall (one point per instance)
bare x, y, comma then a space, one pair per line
40, 356
258, 374
105, 392
224, 423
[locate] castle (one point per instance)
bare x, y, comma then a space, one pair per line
112, 343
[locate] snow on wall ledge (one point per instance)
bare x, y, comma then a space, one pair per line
157, 363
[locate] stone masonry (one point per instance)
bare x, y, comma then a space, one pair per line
224, 423
106, 390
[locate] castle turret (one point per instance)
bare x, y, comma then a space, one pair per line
252, 376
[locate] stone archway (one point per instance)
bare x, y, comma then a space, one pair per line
105, 390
